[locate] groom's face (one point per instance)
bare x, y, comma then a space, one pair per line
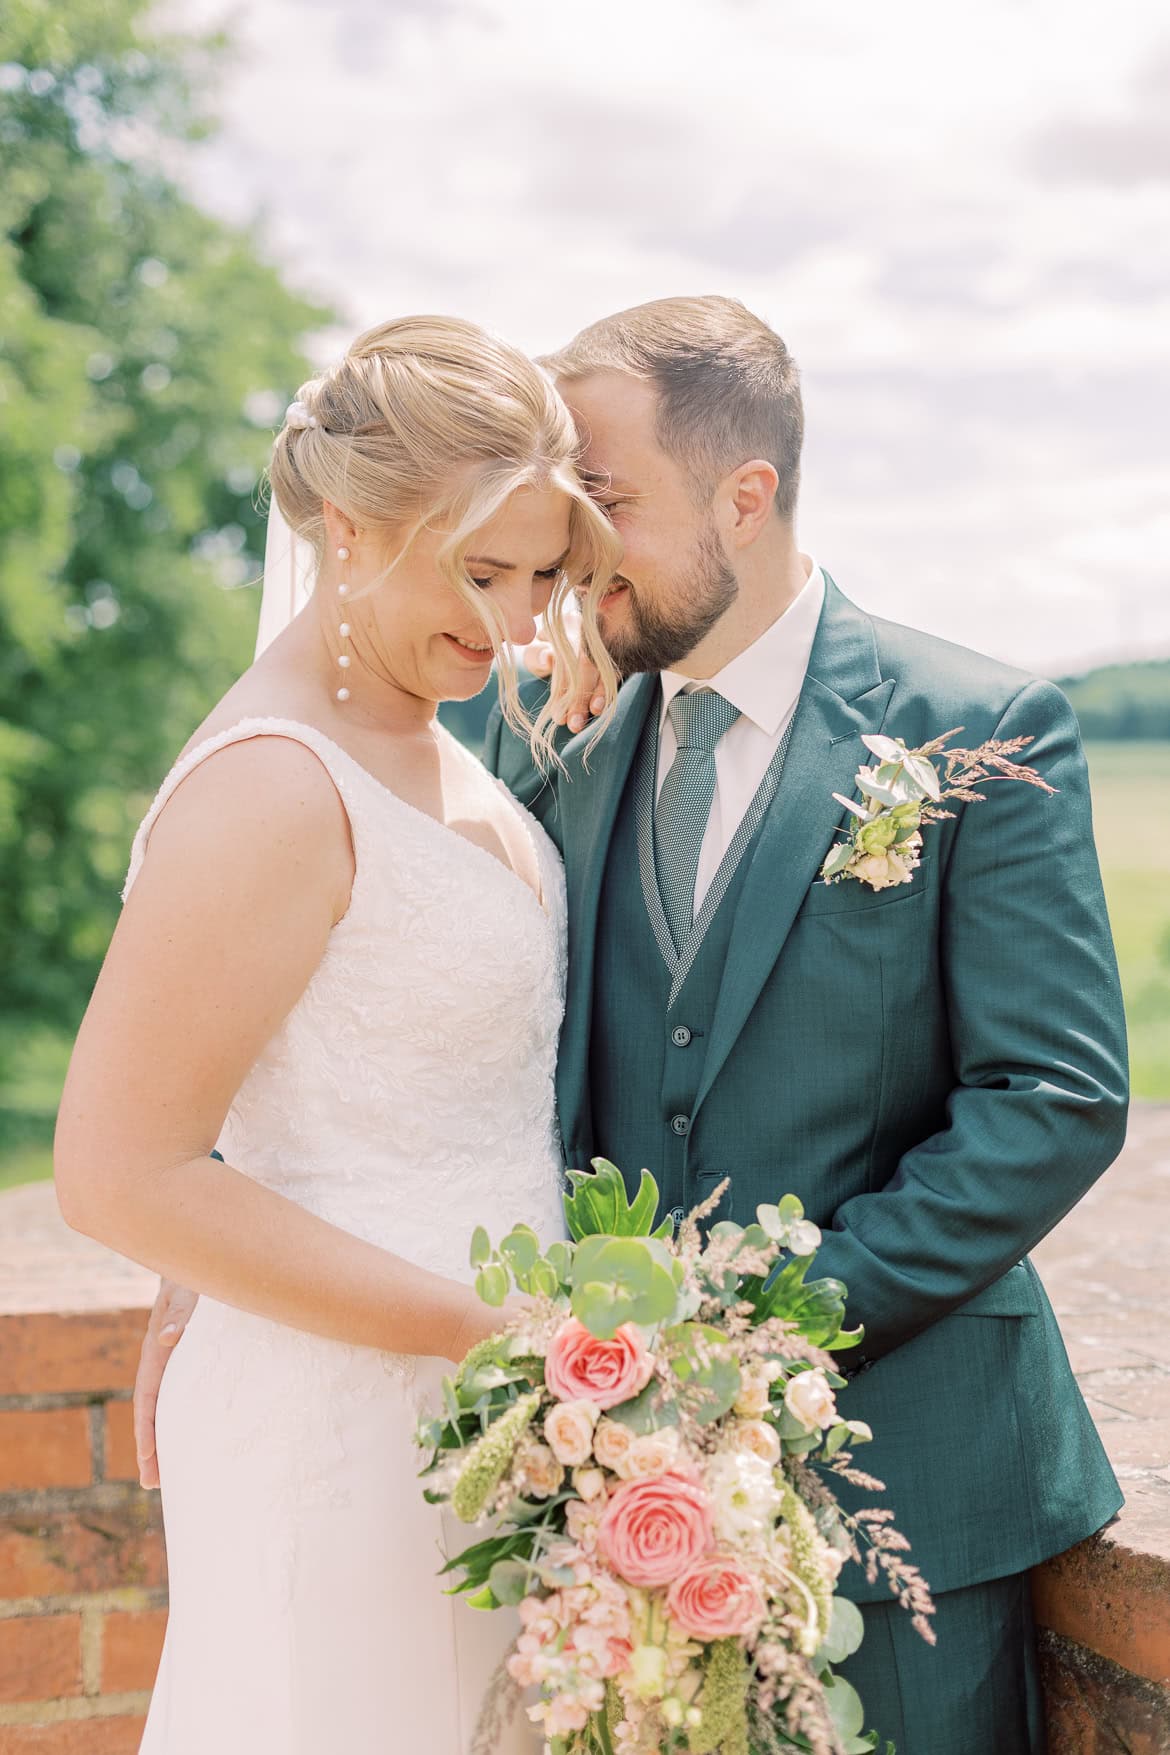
675, 583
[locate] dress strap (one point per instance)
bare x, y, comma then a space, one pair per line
326, 751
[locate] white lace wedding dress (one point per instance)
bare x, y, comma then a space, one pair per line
407, 1097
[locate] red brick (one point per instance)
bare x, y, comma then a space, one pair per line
121, 1452
44, 1447
87, 1736
83, 1550
45, 1354
40, 1657
131, 1646
1110, 1601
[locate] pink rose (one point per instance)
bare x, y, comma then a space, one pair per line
656, 1527
579, 1367
715, 1599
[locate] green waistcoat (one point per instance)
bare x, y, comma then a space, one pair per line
652, 1010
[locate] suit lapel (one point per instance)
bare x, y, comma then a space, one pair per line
590, 800
844, 697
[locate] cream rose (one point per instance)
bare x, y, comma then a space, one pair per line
589, 1483
537, 1470
651, 1453
809, 1399
757, 1437
611, 1443
568, 1429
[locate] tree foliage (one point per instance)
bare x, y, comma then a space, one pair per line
146, 352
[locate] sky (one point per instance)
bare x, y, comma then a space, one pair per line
957, 218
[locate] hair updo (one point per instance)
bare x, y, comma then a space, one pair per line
432, 423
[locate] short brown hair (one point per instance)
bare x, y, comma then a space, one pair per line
728, 388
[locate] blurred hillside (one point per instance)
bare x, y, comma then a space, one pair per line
1123, 700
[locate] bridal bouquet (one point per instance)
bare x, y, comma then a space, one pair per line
651, 1449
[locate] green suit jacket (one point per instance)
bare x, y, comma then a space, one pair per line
937, 1070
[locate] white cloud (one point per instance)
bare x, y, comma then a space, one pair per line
978, 293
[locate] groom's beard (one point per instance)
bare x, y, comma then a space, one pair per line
654, 639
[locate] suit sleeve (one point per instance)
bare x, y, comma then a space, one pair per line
1038, 1108
508, 756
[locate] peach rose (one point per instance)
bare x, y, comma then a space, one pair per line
651, 1453
611, 1443
580, 1367
655, 1528
568, 1429
757, 1437
716, 1598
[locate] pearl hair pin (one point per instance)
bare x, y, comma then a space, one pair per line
344, 659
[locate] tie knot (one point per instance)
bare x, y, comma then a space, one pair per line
701, 718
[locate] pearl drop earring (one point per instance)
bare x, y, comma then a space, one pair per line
344, 660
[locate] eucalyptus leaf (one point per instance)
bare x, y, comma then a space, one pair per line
846, 1631
600, 1309
520, 1247
491, 1283
837, 860
481, 1247
544, 1281
646, 1412
509, 1581
844, 1704
923, 770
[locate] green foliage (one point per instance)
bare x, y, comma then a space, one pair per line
1122, 701
597, 1204
147, 351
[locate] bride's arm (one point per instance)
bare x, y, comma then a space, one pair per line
249, 867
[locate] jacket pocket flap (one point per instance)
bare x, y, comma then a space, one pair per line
1013, 1294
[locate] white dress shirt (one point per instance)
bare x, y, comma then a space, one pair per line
764, 682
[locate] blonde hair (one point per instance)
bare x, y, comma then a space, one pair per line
433, 423
728, 388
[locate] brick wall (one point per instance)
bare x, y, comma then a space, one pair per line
82, 1567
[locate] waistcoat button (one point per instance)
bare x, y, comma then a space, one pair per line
681, 1124
680, 1036
676, 1216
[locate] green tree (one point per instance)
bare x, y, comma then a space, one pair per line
146, 352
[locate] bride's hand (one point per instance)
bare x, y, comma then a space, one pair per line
168, 1319
540, 659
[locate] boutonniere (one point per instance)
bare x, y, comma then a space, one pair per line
883, 843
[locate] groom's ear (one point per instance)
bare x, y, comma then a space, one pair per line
748, 499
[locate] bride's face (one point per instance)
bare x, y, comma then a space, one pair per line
415, 632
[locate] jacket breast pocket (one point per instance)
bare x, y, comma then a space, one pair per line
852, 896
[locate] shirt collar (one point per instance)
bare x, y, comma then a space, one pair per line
764, 680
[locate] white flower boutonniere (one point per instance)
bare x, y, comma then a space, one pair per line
883, 843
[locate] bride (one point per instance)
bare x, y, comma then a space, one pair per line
340, 963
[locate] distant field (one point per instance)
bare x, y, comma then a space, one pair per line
1131, 819
1131, 803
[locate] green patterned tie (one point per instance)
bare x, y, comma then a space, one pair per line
684, 804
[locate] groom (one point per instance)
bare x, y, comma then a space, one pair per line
937, 1069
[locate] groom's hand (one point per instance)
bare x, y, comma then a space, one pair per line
168, 1319
540, 659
